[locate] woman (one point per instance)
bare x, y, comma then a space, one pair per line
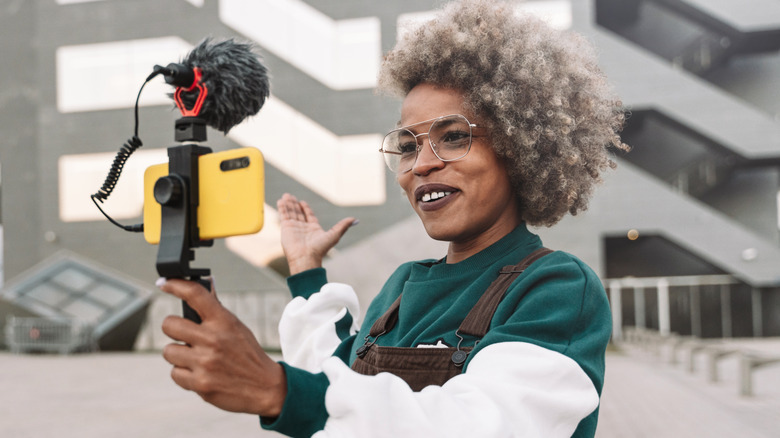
504, 123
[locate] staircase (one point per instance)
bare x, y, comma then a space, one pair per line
702, 81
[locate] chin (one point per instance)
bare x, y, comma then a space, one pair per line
444, 234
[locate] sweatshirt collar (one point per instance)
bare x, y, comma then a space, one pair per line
516, 239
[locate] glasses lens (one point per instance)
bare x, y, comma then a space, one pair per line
400, 150
451, 137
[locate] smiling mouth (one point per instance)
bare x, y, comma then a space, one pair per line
434, 196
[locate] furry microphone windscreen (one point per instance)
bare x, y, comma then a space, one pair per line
236, 80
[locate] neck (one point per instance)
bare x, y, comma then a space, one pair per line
459, 251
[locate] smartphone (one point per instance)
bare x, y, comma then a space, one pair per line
232, 195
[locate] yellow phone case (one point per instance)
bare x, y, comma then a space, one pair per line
231, 201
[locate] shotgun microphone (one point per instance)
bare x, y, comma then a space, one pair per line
231, 71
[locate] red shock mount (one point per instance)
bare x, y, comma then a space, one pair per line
202, 93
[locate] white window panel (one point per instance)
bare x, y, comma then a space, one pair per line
557, 13
260, 248
82, 175
198, 3
70, 2
341, 54
345, 170
103, 76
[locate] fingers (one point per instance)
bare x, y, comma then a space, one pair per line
183, 377
194, 294
180, 357
290, 208
182, 330
238, 378
303, 239
283, 206
308, 213
177, 355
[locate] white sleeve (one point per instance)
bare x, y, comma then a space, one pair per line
509, 389
307, 329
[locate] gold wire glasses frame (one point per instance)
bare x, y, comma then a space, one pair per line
449, 136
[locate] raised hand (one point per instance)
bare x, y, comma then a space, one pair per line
304, 241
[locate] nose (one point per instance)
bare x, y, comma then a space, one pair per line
426, 158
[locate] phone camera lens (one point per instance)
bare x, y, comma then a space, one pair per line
236, 163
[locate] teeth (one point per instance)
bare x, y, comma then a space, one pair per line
433, 196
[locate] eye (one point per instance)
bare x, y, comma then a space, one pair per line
455, 139
407, 148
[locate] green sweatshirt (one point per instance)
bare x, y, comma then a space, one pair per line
557, 308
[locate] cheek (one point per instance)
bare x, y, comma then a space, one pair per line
502, 188
404, 181
496, 186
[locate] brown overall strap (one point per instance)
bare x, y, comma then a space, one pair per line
421, 367
477, 322
387, 321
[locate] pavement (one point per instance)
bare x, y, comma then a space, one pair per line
121, 395
647, 396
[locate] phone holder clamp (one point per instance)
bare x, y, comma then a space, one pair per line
178, 196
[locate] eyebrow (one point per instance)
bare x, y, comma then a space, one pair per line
398, 123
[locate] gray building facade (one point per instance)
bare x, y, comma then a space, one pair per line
697, 197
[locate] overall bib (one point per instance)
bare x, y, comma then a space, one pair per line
421, 367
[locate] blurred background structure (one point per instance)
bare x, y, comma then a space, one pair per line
685, 233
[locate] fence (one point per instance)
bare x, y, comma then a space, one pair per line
51, 335
702, 306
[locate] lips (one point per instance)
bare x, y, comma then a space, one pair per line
434, 196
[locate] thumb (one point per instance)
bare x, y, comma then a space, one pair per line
343, 225
198, 297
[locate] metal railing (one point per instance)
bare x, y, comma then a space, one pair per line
687, 294
50, 335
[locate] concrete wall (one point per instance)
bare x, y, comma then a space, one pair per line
736, 104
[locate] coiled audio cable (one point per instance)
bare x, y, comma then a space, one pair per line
118, 165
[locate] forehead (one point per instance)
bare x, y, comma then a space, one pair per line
426, 102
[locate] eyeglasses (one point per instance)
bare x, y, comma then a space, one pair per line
449, 136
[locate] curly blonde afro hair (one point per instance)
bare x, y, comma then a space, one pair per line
548, 107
